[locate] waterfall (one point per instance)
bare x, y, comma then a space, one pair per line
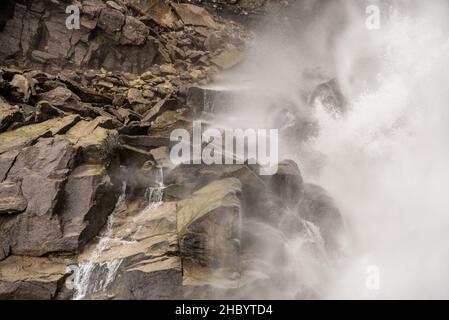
154, 195
91, 276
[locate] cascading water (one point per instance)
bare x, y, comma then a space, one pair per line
384, 160
91, 276
155, 195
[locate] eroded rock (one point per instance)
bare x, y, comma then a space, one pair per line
208, 231
27, 278
11, 198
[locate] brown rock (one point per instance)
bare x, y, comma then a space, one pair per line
194, 15
9, 115
25, 135
134, 96
11, 198
111, 22
162, 14
168, 69
133, 32
27, 278
66, 100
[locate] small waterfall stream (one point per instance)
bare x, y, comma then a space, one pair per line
154, 195
92, 276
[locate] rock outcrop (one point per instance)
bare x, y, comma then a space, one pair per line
91, 206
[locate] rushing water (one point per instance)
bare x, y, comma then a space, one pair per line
385, 161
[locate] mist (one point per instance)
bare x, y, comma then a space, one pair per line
384, 160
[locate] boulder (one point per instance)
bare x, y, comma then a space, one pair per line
66, 100
194, 16
133, 32
162, 157
22, 86
161, 13
89, 198
68, 202
97, 143
9, 115
43, 169
11, 198
27, 278
26, 135
111, 22
208, 231
228, 58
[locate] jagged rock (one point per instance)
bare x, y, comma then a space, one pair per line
111, 22
158, 109
167, 69
45, 111
66, 100
43, 169
96, 142
194, 15
58, 41
208, 231
43, 57
116, 6
161, 13
89, 197
9, 115
162, 157
134, 95
25, 135
92, 8
27, 278
65, 209
22, 85
11, 198
208, 99
133, 32
144, 142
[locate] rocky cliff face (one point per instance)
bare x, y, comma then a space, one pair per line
90, 205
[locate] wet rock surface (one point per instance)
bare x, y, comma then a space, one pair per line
91, 206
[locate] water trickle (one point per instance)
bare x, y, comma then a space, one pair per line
155, 195
92, 276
